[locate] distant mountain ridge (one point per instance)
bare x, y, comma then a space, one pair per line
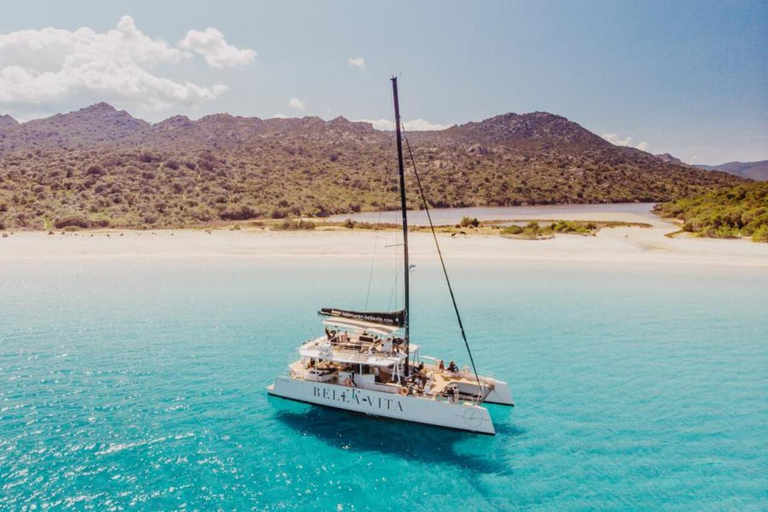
757, 171
101, 125
101, 166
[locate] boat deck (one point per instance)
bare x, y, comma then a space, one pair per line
355, 351
439, 382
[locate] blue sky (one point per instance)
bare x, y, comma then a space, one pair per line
689, 78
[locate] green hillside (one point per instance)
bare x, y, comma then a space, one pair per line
100, 167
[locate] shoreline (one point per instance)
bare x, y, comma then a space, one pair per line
631, 245
648, 245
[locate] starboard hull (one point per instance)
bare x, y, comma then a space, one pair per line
471, 418
500, 394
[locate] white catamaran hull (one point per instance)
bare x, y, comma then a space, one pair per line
500, 394
471, 418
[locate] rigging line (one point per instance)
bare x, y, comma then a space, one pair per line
442, 262
373, 261
377, 231
390, 306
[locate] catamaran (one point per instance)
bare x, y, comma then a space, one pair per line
365, 362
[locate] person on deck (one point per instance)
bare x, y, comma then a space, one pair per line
452, 367
441, 366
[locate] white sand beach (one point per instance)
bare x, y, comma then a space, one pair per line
631, 245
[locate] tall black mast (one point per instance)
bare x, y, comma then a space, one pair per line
401, 168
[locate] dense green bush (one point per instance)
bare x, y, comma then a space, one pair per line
240, 213
75, 221
295, 225
514, 229
740, 211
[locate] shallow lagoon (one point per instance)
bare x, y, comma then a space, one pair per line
142, 382
448, 216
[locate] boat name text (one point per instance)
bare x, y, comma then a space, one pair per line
354, 396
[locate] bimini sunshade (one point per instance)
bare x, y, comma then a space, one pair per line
394, 319
357, 324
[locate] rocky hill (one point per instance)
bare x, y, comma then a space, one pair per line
671, 159
6, 123
99, 166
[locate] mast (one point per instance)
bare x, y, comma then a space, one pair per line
406, 267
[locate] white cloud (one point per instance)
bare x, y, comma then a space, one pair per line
615, 140
357, 62
416, 125
52, 66
379, 124
618, 141
420, 125
297, 104
280, 116
214, 48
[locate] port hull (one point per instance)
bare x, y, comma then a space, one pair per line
470, 418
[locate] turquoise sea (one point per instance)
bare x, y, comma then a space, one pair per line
141, 384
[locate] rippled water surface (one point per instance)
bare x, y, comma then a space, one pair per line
142, 383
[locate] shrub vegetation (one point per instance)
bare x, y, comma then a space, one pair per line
294, 225
740, 211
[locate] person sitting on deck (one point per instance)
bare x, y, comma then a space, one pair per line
453, 368
440, 365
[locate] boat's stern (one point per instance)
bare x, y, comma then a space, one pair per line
500, 394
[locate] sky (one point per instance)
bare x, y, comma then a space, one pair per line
688, 78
